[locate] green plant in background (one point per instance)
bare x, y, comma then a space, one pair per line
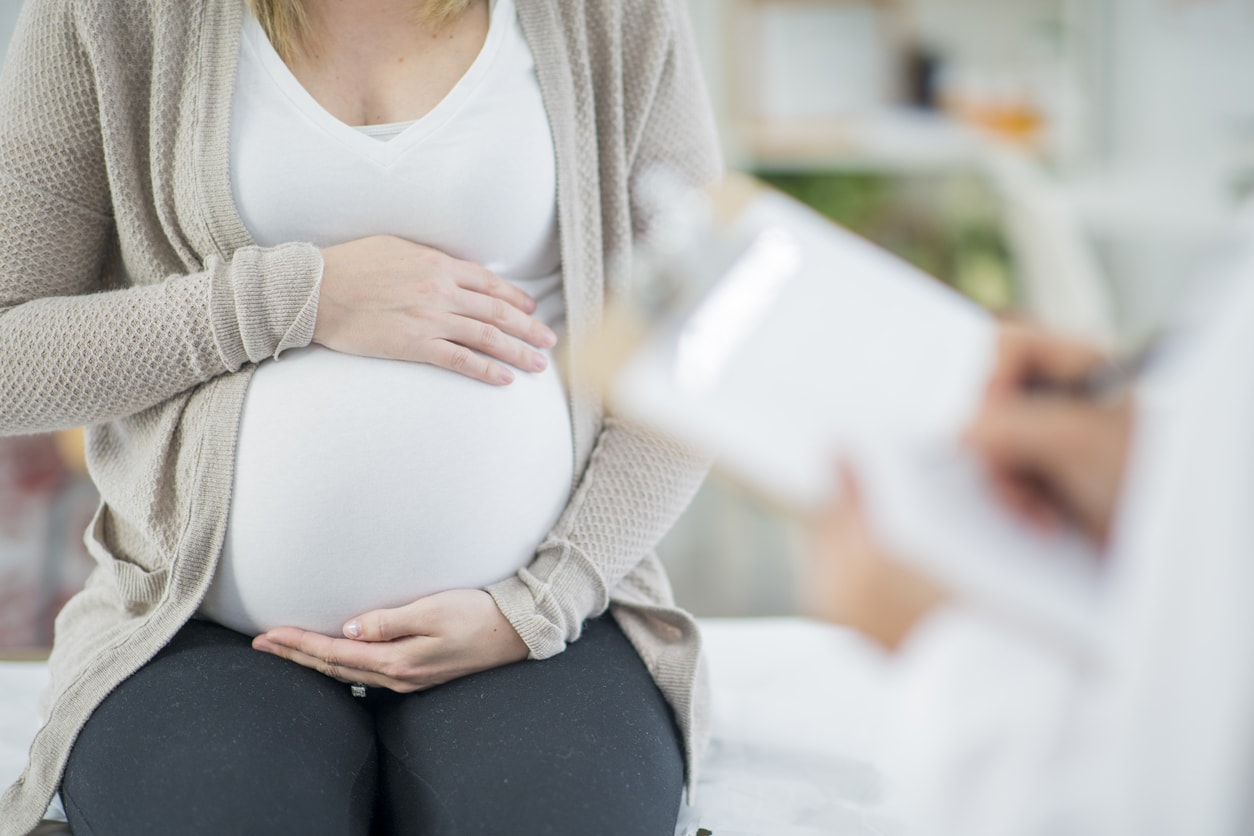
946, 225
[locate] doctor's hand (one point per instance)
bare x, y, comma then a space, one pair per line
387, 297
1028, 355
1052, 456
854, 581
434, 640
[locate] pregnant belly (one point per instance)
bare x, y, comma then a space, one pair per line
364, 483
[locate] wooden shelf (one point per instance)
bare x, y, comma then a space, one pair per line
891, 140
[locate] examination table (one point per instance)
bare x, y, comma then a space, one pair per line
796, 719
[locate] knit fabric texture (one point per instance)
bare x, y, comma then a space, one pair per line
133, 301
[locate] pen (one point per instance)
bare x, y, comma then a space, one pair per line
1106, 382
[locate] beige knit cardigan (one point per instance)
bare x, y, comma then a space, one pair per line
132, 300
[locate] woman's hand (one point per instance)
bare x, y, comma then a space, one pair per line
387, 297
434, 640
854, 581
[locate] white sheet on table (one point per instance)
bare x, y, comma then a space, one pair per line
796, 729
21, 685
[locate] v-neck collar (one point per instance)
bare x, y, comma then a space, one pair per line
358, 142
218, 54
218, 49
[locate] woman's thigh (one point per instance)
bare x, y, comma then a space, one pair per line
213, 737
583, 743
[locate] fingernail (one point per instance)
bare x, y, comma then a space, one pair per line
353, 628
505, 376
549, 340
539, 363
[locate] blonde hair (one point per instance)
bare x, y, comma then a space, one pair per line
286, 22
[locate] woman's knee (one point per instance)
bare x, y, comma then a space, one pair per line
212, 737
581, 743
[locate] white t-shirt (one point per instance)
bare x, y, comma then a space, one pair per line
364, 483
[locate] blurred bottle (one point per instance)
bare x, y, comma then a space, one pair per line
1002, 104
923, 71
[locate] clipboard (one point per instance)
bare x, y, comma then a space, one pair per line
777, 342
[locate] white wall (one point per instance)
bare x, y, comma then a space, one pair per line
1182, 78
995, 33
1154, 113
1173, 84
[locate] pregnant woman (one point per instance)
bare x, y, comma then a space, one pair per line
367, 565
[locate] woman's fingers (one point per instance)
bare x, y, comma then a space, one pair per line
488, 339
389, 625
479, 328
491, 328
376, 665
337, 658
492, 310
458, 358
387, 297
483, 281
430, 641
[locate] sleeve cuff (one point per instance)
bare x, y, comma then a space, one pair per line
548, 601
264, 301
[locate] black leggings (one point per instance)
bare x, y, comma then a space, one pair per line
212, 737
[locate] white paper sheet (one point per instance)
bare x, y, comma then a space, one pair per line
933, 505
796, 721
812, 338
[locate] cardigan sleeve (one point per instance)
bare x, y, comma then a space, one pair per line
73, 351
637, 482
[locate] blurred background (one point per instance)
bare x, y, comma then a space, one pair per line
1074, 160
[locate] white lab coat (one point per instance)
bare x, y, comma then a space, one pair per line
1150, 731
